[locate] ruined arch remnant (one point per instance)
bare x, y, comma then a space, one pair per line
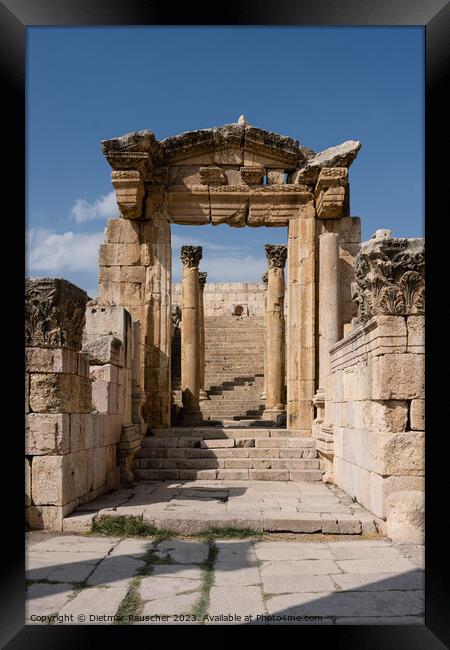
239, 175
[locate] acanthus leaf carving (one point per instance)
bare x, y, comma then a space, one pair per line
389, 277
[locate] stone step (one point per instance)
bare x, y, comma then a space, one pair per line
227, 463
309, 475
213, 433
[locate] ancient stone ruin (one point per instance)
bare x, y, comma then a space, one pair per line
314, 374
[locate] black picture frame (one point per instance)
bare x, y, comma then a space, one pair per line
15, 17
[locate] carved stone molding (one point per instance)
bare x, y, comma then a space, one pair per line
130, 192
389, 278
252, 175
202, 279
212, 176
54, 313
276, 255
330, 192
191, 255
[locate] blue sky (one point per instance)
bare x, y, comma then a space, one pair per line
319, 85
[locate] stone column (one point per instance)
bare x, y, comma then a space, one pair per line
328, 309
190, 336
329, 324
264, 279
201, 283
275, 355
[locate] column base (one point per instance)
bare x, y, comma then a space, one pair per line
203, 395
274, 412
190, 416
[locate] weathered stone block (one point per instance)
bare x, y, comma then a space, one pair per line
82, 435
417, 415
120, 255
416, 333
27, 481
99, 466
406, 517
104, 350
399, 454
27, 392
388, 416
122, 231
47, 433
52, 481
381, 487
398, 376
60, 393
45, 517
107, 373
105, 397
51, 360
83, 364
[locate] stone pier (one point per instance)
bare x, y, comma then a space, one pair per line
201, 283
190, 336
329, 323
275, 332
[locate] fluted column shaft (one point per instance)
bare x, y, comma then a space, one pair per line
264, 279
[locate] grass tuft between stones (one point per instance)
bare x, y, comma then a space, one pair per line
230, 533
200, 608
131, 605
123, 526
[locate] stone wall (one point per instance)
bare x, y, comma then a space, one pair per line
222, 298
80, 434
378, 388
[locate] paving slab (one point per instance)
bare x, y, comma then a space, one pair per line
97, 605
183, 552
42, 599
188, 571
242, 602
379, 581
154, 586
377, 565
115, 571
384, 603
298, 568
285, 584
278, 551
171, 605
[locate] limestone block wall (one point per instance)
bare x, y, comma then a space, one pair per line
222, 298
377, 384
82, 428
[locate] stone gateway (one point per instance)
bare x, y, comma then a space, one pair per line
316, 374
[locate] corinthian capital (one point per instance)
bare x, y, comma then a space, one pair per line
191, 255
389, 277
276, 255
202, 279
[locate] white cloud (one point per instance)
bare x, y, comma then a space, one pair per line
104, 207
70, 251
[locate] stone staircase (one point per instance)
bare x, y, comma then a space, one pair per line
210, 453
234, 368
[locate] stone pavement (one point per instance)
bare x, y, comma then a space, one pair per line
76, 579
190, 507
